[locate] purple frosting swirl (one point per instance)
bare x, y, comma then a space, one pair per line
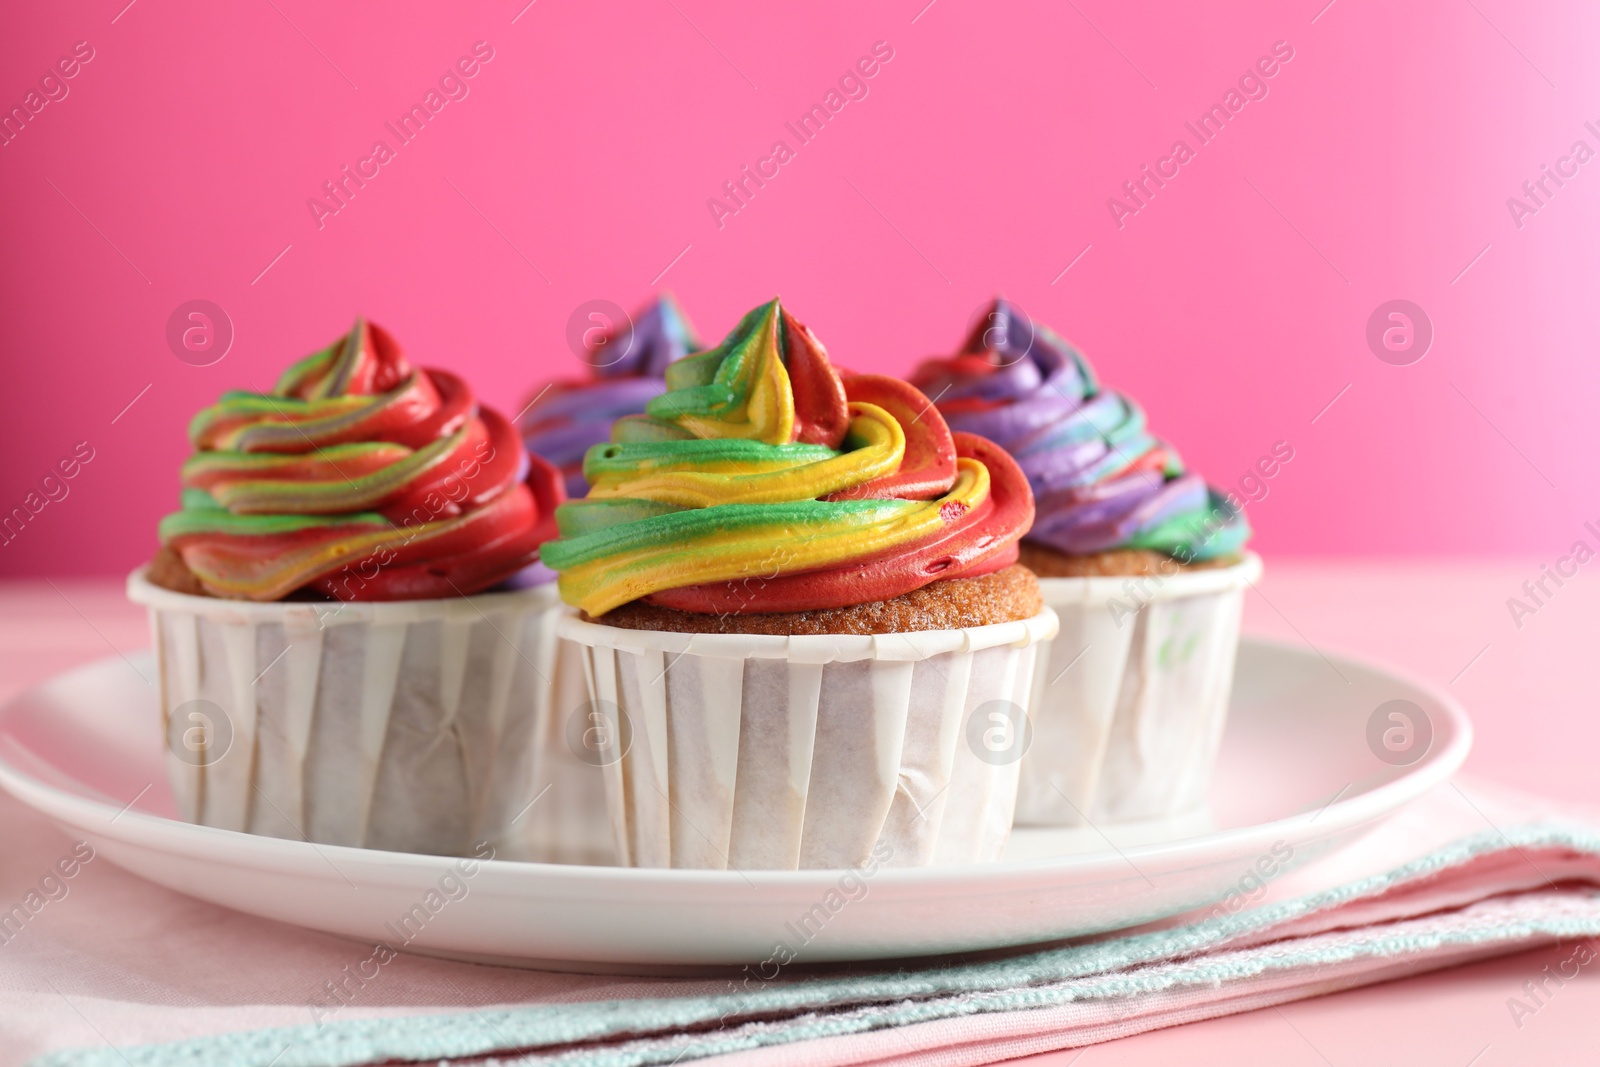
1100, 479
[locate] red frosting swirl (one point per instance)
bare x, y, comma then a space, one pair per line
363, 478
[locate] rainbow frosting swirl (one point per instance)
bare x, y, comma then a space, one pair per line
763, 481
567, 418
1100, 480
361, 478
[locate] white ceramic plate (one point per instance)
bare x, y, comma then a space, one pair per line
84, 750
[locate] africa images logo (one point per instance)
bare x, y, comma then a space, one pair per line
1252, 85
453, 85
852, 85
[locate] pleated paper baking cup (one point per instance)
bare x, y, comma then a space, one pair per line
1130, 698
407, 725
569, 823
770, 752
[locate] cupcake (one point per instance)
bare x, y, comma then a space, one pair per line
805, 625
1143, 562
336, 661
561, 421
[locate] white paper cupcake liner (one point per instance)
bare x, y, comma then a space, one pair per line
569, 824
1130, 698
416, 726
768, 752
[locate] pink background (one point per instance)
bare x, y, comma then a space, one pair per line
1233, 306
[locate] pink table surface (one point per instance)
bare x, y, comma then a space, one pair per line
1530, 691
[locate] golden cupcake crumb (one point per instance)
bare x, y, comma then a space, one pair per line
168, 571
1046, 562
1007, 595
